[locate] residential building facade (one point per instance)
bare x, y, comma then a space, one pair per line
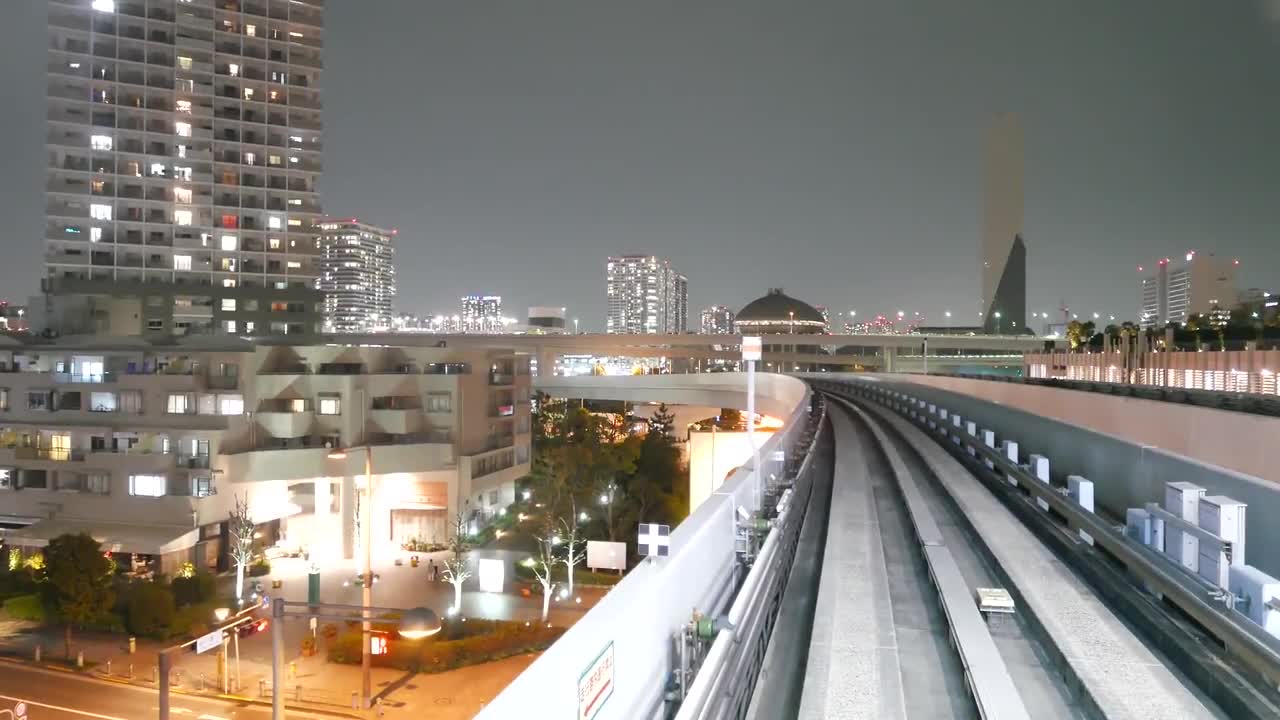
546, 320
184, 144
1198, 286
482, 314
358, 276
716, 320
146, 445
645, 295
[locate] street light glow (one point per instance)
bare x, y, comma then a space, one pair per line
418, 623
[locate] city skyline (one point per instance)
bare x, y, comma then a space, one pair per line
814, 190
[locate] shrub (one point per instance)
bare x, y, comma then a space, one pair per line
260, 568
151, 610
25, 607
194, 589
419, 545
16, 582
456, 645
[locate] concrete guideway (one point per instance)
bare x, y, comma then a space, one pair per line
1121, 676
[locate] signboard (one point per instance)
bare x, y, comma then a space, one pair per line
209, 641
751, 348
595, 685
492, 574
606, 555
654, 540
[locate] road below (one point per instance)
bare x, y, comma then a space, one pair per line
53, 695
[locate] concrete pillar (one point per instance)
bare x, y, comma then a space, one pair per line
348, 503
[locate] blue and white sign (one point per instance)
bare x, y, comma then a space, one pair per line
654, 540
209, 641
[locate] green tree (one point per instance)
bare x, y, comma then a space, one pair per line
77, 584
662, 422
1078, 334
151, 609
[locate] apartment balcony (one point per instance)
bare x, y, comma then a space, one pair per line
85, 378
49, 454
403, 422
286, 424
446, 369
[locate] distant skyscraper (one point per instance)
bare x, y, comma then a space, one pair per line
1004, 256
546, 320
645, 295
717, 320
184, 151
358, 276
1173, 294
482, 314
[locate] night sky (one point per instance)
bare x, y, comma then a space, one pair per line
830, 147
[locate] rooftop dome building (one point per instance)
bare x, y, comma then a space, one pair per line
779, 314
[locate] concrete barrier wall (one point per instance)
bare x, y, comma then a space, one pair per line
1236, 441
639, 616
1126, 472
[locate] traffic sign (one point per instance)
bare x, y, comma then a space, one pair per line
209, 641
654, 540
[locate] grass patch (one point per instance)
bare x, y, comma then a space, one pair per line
458, 644
581, 576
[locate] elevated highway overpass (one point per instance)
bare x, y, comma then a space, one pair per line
851, 590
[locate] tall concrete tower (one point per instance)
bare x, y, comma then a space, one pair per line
1004, 257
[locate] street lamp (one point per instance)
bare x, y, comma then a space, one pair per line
575, 326
413, 624
998, 328
366, 540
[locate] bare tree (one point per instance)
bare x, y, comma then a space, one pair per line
456, 569
240, 528
542, 563
574, 551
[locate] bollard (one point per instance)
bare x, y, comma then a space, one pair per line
177, 680
355, 701
154, 673
108, 667
38, 653
80, 659
133, 645
130, 671
262, 688
202, 681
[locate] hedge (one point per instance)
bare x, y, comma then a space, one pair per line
25, 607
458, 644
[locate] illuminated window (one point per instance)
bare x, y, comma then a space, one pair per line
181, 262
95, 234
295, 201
273, 243
182, 129
179, 404
251, 30
182, 173
293, 265
182, 195
293, 159
228, 304
330, 405
104, 5
249, 326
295, 33
248, 93
100, 212
184, 62
182, 151
228, 264
100, 142
231, 404
230, 326
157, 169
184, 106
228, 242
274, 160
234, 69
182, 217
295, 222
229, 283
250, 158
273, 222
146, 485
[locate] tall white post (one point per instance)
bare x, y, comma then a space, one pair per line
751, 432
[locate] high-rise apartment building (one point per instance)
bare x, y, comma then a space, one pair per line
358, 276
717, 320
184, 146
482, 314
1004, 256
645, 295
1196, 287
